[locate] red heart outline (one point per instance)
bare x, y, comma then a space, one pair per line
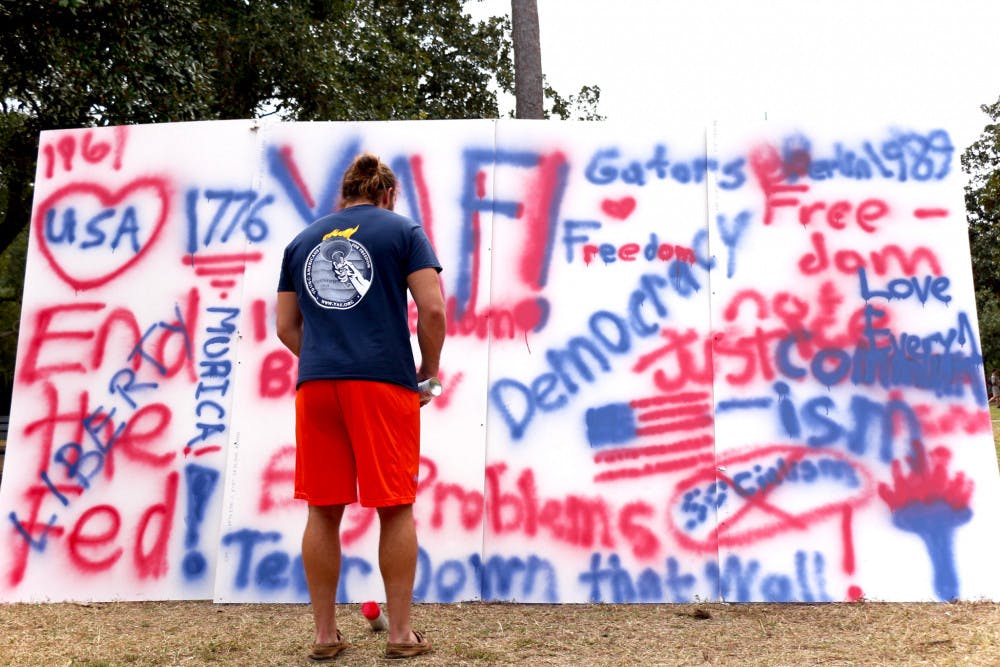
619, 208
107, 199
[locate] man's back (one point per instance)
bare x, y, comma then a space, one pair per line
349, 271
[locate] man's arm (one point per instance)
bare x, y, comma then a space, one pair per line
425, 286
290, 321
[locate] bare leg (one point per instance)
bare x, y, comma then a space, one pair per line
397, 560
321, 560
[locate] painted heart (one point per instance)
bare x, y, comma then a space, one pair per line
91, 235
619, 208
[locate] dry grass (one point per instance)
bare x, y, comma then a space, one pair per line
995, 417
202, 633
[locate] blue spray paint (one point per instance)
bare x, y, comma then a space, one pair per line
235, 211
473, 160
610, 336
327, 201
201, 483
935, 524
730, 236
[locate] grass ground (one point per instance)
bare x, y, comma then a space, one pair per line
195, 633
200, 633
995, 416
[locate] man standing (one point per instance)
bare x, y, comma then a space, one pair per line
342, 310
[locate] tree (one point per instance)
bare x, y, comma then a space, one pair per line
981, 161
11, 287
534, 98
582, 106
527, 59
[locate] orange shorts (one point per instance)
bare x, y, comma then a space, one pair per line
356, 435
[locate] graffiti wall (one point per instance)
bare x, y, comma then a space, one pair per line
684, 363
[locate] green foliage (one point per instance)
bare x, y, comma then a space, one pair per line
582, 106
988, 307
361, 60
981, 161
12, 261
80, 63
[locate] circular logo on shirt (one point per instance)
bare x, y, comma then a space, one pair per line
338, 273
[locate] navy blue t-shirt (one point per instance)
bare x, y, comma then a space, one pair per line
349, 272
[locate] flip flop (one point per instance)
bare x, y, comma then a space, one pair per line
327, 652
408, 649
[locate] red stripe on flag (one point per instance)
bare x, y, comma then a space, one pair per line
654, 468
699, 442
688, 397
650, 415
678, 425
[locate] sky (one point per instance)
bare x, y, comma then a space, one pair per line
913, 60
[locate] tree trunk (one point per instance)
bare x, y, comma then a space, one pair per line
527, 59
